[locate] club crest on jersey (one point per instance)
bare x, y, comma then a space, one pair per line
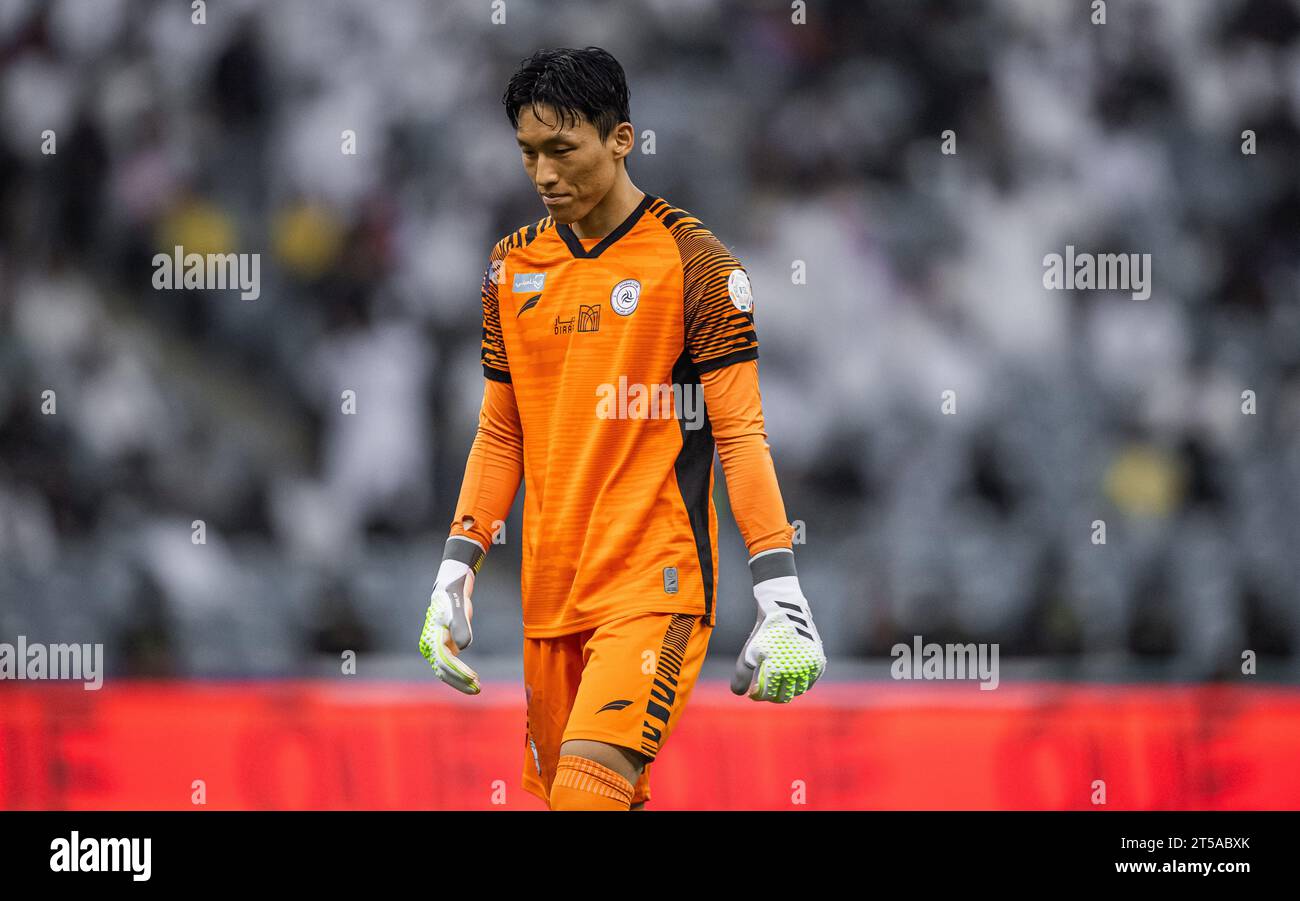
742, 297
624, 297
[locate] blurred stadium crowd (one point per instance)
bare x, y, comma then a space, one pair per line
805, 147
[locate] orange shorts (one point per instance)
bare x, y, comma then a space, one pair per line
624, 682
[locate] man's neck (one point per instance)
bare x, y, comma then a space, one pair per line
613, 208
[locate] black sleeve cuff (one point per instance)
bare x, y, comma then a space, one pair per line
772, 565
465, 550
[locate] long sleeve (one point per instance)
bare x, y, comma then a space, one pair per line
736, 412
494, 468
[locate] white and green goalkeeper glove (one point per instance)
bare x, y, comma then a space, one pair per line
447, 629
783, 656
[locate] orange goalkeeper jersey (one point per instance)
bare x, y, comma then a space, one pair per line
599, 354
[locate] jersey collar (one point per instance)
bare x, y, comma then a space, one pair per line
581, 253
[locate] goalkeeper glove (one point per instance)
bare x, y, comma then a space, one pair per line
447, 629
783, 656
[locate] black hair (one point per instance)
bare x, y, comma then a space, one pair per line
587, 84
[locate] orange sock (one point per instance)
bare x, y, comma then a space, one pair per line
582, 784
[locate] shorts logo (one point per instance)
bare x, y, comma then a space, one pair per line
529, 281
742, 296
624, 297
614, 705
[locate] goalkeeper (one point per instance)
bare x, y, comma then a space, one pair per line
619, 352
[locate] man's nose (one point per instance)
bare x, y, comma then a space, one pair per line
546, 175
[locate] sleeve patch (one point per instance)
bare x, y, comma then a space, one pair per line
742, 296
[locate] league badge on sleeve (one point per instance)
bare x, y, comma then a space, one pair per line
741, 294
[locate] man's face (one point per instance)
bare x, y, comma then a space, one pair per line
569, 161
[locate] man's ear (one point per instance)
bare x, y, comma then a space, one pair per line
624, 139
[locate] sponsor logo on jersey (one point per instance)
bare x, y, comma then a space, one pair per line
588, 317
528, 304
529, 281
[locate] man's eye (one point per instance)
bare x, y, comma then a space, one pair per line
563, 151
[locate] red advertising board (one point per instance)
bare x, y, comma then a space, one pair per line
368, 745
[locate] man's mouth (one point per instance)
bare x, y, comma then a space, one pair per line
554, 199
